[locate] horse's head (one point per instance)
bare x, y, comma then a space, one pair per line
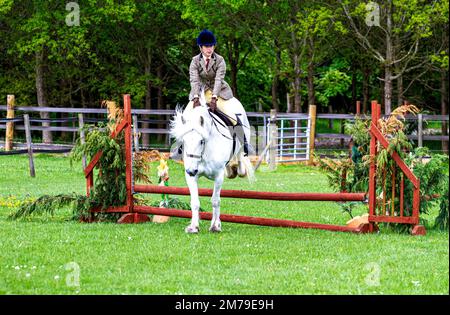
191, 129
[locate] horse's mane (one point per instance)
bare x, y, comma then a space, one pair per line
182, 123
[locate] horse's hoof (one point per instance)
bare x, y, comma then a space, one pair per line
215, 229
232, 173
191, 229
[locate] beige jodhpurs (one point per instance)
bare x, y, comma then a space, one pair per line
221, 105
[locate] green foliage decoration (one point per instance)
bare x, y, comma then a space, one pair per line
430, 169
109, 186
79, 205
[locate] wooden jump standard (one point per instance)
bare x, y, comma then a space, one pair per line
136, 213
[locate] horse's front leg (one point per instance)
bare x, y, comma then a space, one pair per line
195, 204
215, 200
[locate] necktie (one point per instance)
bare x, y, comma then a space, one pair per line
207, 62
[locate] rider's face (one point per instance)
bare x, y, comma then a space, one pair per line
207, 51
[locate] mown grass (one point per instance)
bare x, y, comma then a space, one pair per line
40, 255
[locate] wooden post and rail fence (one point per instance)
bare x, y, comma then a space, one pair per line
270, 146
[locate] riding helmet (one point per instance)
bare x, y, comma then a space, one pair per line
206, 38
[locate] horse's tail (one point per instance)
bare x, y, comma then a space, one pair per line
249, 170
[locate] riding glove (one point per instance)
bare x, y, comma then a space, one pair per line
196, 102
213, 104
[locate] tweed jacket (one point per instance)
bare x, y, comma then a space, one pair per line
212, 79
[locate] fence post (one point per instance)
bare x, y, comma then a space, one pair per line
312, 133
342, 131
420, 130
330, 121
373, 166
273, 132
265, 130
135, 133
358, 107
82, 136
26, 120
9, 125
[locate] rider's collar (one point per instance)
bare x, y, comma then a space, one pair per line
213, 56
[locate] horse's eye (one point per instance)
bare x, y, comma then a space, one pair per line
202, 142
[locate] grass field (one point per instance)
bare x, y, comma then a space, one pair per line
45, 255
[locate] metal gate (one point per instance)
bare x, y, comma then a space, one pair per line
293, 136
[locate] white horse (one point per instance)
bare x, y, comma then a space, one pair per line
213, 150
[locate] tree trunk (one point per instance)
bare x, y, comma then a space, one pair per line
275, 104
296, 85
330, 121
387, 90
148, 101
366, 89
296, 61
288, 103
311, 91
389, 59
396, 42
83, 99
275, 80
234, 80
66, 90
159, 73
41, 95
354, 84
381, 87
444, 107
400, 90
233, 58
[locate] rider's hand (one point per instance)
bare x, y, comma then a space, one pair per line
213, 104
196, 102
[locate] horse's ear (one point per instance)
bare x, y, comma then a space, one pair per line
201, 121
183, 120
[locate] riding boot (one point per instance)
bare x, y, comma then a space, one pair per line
245, 146
245, 143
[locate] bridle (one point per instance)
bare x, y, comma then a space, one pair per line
202, 142
195, 156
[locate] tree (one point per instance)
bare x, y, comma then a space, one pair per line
230, 21
398, 27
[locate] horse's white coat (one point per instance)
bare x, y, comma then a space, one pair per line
206, 150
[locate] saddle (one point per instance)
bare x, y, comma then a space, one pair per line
227, 121
225, 118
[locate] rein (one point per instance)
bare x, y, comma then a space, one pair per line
229, 117
217, 120
214, 122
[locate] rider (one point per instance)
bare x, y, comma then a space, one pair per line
207, 72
